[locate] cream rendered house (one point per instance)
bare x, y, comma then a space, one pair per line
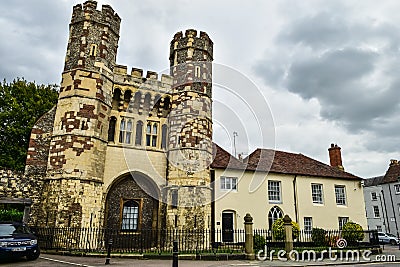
269, 184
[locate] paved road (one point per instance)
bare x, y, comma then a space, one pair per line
63, 261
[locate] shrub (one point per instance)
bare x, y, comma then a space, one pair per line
259, 242
352, 232
11, 215
278, 230
318, 237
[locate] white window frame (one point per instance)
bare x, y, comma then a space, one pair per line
274, 191
342, 222
397, 188
340, 195
376, 212
228, 183
130, 216
308, 224
317, 193
374, 196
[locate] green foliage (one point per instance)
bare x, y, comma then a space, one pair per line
278, 230
352, 232
21, 104
11, 215
318, 237
259, 242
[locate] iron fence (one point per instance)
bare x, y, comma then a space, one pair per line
320, 238
144, 241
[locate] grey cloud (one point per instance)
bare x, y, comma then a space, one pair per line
32, 40
347, 64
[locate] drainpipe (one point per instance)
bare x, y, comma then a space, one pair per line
384, 204
394, 214
295, 198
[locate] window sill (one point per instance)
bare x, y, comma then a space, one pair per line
318, 204
275, 202
229, 190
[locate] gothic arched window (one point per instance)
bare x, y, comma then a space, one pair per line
274, 214
130, 216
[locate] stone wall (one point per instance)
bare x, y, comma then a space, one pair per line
16, 185
39, 145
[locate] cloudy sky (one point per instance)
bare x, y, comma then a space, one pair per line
325, 70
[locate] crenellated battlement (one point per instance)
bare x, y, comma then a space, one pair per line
88, 11
191, 46
136, 73
191, 33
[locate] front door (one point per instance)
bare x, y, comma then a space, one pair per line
227, 227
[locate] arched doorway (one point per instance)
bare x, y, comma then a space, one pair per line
274, 214
132, 203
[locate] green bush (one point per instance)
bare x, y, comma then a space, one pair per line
11, 215
259, 242
318, 237
278, 230
352, 232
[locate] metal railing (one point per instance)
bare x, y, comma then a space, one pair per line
158, 241
321, 238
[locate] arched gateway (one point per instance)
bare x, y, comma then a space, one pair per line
132, 203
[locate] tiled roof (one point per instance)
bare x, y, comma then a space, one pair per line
373, 181
393, 174
278, 162
224, 160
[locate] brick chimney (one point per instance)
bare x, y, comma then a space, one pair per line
335, 157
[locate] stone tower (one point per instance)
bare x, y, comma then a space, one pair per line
73, 187
190, 132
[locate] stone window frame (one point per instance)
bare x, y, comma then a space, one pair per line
126, 133
93, 50
340, 195
317, 193
139, 202
197, 72
152, 135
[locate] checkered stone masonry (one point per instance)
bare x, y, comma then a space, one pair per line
190, 131
76, 160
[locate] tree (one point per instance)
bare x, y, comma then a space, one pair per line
21, 104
